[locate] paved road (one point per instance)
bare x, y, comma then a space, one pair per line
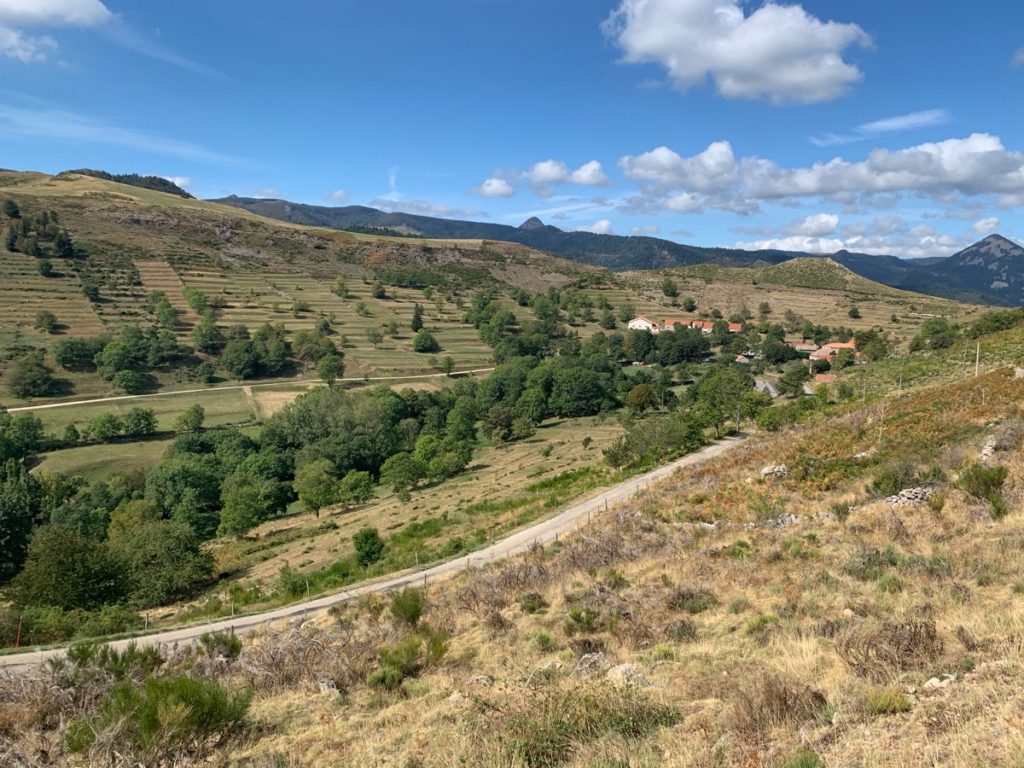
278, 383
542, 532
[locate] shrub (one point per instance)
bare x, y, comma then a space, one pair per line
892, 479
226, 644
691, 599
804, 758
532, 602
545, 641
581, 620
682, 630
983, 482
887, 702
769, 701
739, 605
387, 678
369, 546
407, 606
761, 626
880, 652
167, 717
740, 550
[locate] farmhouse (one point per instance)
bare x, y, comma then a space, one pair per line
829, 351
642, 324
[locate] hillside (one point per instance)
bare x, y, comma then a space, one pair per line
612, 251
989, 272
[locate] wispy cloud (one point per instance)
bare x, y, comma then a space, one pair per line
17, 15
899, 123
1018, 58
118, 31
49, 122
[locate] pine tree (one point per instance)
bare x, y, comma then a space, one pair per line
417, 317
11, 240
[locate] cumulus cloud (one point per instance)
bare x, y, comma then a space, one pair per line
543, 176
15, 15
817, 225
426, 208
778, 52
182, 181
986, 226
648, 231
978, 165
865, 131
599, 227
495, 187
338, 196
889, 235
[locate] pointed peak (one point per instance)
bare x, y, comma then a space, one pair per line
532, 223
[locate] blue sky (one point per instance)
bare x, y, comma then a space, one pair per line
880, 127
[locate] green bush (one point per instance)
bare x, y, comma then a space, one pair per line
581, 620
408, 605
168, 716
387, 678
226, 644
532, 602
804, 758
887, 702
983, 482
892, 479
545, 641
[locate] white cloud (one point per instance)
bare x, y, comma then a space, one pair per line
817, 225
649, 230
338, 196
778, 52
599, 227
495, 187
889, 235
978, 165
53, 123
543, 176
986, 226
426, 208
17, 14
28, 13
1018, 58
182, 181
865, 131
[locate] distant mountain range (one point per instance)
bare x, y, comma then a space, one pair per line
990, 271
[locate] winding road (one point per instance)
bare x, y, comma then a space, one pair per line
542, 532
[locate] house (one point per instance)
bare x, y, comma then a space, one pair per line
704, 326
766, 387
825, 378
805, 348
742, 359
830, 350
642, 323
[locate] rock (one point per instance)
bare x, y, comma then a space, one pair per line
327, 686
864, 455
780, 471
482, 681
626, 674
910, 496
456, 698
848, 613
591, 664
932, 684
1018, 372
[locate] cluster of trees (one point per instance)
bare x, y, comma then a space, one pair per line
36, 235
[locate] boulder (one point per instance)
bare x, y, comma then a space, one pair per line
626, 674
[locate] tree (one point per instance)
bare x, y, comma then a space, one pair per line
378, 291
239, 358
20, 505
106, 427
11, 239
130, 515
689, 304
720, 395
46, 322
417, 317
77, 354
369, 546
131, 381
11, 210
242, 508
374, 336
30, 377
641, 397
854, 313
356, 487
330, 369
162, 561
402, 472
669, 287
191, 419
67, 570
316, 484
140, 422
45, 267
577, 391
447, 365
424, 341
64, 245
791, 382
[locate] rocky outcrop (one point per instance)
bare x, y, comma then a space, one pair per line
778, 471
910, 496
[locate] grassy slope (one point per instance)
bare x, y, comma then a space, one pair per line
767, 670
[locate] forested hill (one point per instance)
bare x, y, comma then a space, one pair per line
157, 183
612, 251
